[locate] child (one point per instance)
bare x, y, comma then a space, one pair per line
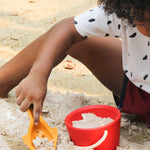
93, 38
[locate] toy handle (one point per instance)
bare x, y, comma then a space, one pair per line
97, 143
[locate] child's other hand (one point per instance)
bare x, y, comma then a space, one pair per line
32, 90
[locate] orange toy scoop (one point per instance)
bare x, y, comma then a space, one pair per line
42, 130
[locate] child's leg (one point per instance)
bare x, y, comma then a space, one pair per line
103, 56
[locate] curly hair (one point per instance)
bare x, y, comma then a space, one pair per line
129, 10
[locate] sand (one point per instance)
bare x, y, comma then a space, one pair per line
21, 21
90, 120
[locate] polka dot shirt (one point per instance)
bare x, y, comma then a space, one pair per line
135, 46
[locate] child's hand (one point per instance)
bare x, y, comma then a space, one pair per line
32, 90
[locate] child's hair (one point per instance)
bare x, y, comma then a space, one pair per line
129, 10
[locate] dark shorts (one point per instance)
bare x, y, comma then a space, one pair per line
134, 100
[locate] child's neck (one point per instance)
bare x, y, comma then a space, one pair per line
144, 29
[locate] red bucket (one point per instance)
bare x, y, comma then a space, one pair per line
100, 138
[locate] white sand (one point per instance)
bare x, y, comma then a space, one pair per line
22, 21
43, 143
3, 144
90, 120
14, 124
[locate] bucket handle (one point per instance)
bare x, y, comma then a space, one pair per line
97, 143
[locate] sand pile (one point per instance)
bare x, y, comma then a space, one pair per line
14, 124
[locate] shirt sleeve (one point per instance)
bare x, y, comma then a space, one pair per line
95, 22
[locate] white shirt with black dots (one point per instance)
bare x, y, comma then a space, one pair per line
135, 46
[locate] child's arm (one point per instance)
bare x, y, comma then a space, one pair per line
32, 89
